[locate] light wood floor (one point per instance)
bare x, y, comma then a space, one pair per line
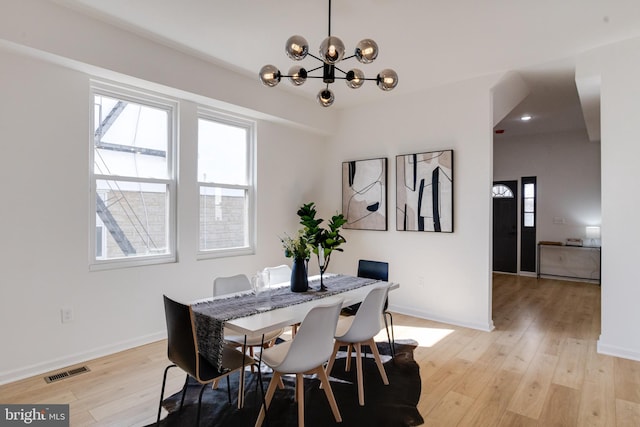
539, 367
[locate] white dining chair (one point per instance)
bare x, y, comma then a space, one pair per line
305, 354
239, 283
378, 270
230, 284
279, 274
359, 330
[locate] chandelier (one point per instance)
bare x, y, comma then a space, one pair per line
331, 52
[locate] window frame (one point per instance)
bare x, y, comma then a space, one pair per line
506, 192
533, 212
150, 99
250, 126
528, 233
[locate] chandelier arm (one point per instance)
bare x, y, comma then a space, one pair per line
349, 57
316, 77
315, 57
315, 69
335, 77
313, 77
343, 72
345, 78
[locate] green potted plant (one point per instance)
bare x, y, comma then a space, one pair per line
322, 241
297, 248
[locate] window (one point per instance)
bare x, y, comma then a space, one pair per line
226, 183
528, 224
133, 183
529, 203
501, 191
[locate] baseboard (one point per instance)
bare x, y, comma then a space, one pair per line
487, 327
570, 279
528, 274
612, 350
73, 359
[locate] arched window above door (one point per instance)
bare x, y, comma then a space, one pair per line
501, 190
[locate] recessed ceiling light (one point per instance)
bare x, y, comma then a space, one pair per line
525, 117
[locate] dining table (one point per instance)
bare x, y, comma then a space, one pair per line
243, 313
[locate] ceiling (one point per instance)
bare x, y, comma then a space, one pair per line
427, 42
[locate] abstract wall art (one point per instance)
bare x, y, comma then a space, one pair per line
364, 194
424, 192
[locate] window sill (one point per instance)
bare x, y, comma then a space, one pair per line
225, 253
119, 263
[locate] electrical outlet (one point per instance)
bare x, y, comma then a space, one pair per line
66, 315
421, 281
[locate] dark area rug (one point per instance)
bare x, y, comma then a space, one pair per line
393, 405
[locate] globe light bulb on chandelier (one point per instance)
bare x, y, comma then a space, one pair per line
331, 52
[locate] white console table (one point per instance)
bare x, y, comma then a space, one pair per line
574, 262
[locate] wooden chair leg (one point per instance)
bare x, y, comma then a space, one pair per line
268, 396
347, 367
327, 390
241, 389
392, 337
300, 398
245, 349
253, 369
359, 374
376, 355
295, 390
332, 359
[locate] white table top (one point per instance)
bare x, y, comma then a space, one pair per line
281, 317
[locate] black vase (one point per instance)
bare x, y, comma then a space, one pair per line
299, 281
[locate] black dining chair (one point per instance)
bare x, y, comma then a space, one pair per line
182, 351
378, 270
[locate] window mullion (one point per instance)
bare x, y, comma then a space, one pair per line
132, 179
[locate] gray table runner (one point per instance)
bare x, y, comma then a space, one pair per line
211, 315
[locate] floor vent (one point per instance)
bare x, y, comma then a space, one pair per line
66, 374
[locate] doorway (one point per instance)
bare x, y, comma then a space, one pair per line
505, 226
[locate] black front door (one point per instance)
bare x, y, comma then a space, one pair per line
505, 226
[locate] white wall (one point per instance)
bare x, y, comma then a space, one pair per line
618, 67
567, 167
44, 215
62, 35
455, 266
45, 68
44, 224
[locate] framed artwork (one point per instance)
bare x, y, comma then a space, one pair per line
424, 192
364, 194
